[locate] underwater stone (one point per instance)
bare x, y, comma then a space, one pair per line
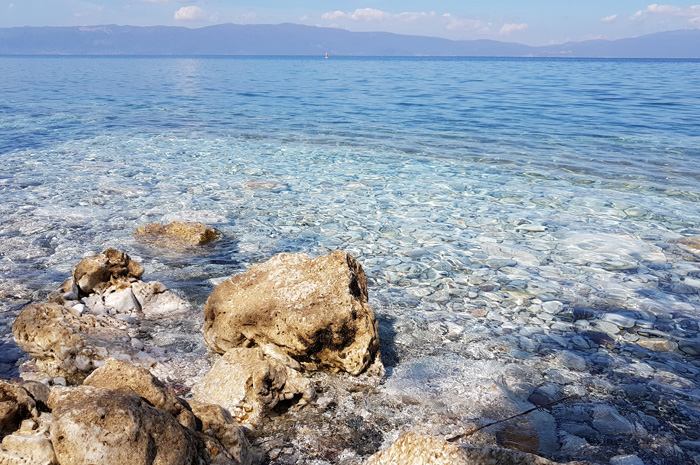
187, 233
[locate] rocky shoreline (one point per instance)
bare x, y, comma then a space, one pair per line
316, 394
286, 330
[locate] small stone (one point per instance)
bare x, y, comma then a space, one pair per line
606, 327
692, 445
618, 319
553, 307
657, 345
531, 228
689, 346
571, 361
626, 460
607, 420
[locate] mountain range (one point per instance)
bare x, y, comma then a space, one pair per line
295, 39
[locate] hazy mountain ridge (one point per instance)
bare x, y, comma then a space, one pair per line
295, 39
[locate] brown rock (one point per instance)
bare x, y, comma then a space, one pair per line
417, 449
72, 346
187, 233
249, 384
16, 404
218, 424
111, 264
316, 311
27, 449
93, 425
118, 375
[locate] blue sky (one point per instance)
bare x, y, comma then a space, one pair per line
536, 22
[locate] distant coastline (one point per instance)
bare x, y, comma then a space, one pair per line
298, 40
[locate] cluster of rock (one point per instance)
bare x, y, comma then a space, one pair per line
121, 414
95, 316
273, 326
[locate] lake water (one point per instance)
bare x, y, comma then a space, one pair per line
515, 212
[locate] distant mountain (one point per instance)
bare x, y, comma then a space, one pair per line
295, 39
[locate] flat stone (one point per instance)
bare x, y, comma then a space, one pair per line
607, 420
185, 233
657, 345
618, 319
626, 460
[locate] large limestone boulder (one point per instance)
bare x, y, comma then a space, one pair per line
314, 310
71, 345
248, 383
94, 425
178, 233
416, 449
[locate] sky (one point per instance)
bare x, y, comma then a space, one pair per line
534, 22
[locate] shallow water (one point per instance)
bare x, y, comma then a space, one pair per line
506, 212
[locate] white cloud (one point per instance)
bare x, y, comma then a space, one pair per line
506, 29
425, 18
371, 14
191, 13
690, 14
609, 19
361, 14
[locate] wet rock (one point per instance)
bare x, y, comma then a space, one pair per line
71, 346
425, 450
657, 345
607, 420
184, 233
249, 384
689, 244
626, 460
571, 361
315, 310
618, 319
94, 425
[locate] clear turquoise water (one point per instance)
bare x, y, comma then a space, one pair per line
425, 169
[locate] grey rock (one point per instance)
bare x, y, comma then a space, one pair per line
607, 420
